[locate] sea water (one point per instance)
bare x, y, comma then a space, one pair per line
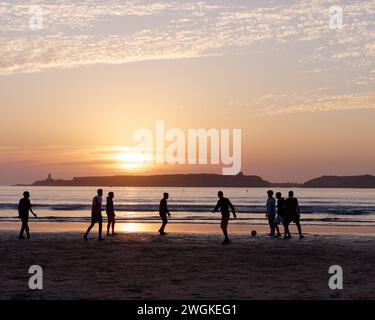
343, 207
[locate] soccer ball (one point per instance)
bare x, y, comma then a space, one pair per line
253, 233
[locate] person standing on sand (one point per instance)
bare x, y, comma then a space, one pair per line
271, 214
293, 212
163, 212
224, 204
96, 214
24, 206
281, 215
110, 210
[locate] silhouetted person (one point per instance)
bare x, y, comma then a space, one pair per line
163, 212
271, 214
110, 210
24, 206
224, 204
293, 212
96, 214
281, 215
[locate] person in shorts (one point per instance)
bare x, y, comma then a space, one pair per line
224, 204
271, 214
96, 215
110, 211
281, 215
293, 212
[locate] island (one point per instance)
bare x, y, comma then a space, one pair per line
362, 181
207, 180
167, 180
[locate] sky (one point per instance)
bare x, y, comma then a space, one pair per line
75, 89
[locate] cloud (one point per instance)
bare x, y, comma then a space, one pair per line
64, 155
42, 154
90, 32
298, 103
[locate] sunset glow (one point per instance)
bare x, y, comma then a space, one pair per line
131, 160
92, 75
130, 227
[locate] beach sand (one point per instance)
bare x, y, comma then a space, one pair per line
186, 266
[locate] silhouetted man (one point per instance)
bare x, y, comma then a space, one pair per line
96, 214
110, 210
24, 206
293, 212
271, 214
224, 204
281, 215
163, 212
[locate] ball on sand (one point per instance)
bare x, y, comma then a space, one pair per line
253, 233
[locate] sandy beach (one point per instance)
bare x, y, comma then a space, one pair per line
186, 266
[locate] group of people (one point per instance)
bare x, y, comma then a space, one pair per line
96, 214
24, 207
287, 211
283, 211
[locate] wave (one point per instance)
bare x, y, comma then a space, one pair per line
199, 220
339, 209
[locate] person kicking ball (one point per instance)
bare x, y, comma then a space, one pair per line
224, 204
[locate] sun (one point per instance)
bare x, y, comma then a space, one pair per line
131, 160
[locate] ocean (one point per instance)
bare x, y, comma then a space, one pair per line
341, 207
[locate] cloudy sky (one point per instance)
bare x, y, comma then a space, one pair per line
74, 88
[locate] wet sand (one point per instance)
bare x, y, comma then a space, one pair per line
175, 227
